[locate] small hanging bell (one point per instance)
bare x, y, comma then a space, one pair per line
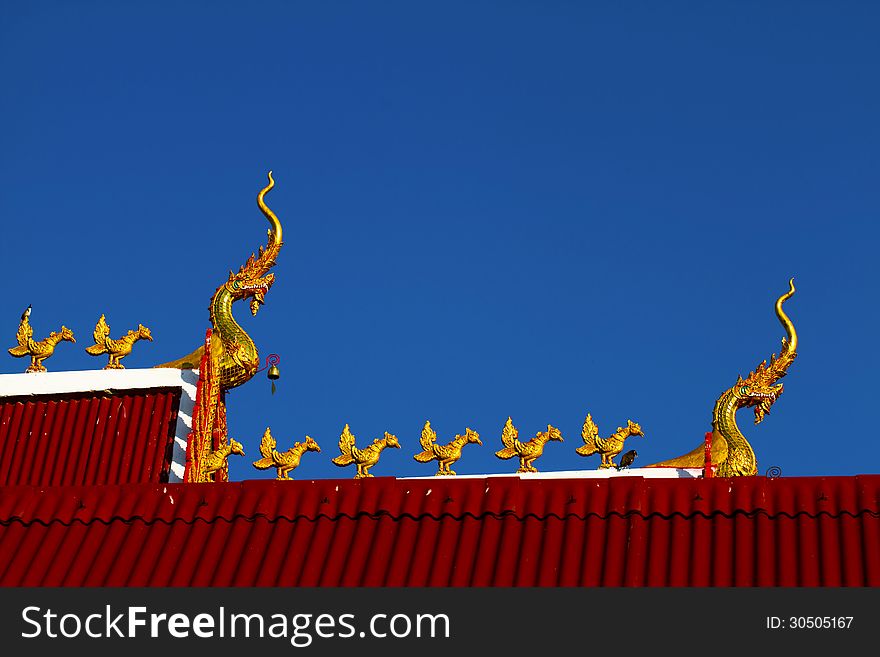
273, 374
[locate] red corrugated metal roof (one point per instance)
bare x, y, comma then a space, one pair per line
499, 531
87, 438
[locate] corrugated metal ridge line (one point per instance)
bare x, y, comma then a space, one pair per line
397, 499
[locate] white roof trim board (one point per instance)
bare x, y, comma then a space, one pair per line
606, 473
59, 383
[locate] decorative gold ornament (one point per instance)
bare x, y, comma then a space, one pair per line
286, 462
608, 447
228, 357
238, 359
38, 351
116, 349
731, 453
364, 458
447, 454
218, 460
529, 451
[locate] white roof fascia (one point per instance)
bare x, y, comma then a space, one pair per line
605, 473
59, 383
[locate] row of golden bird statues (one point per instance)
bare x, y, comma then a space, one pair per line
40, 350
445, 455
362, 458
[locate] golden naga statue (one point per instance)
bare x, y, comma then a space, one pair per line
364, 458
731, 453
37, 350
219, 459
528, 451
286, 462
446, 454
116, 349
608, 447
237, 356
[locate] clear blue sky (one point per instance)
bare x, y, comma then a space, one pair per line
517, 208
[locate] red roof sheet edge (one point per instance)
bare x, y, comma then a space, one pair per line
60, 383
330, 499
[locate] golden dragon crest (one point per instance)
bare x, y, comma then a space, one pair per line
365, 458
235, 352
608, 447
38, 350
446, 454
283, 462
116, 349
528, 451
731, 453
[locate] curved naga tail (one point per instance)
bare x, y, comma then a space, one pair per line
590, 434
274, 232
267, 451
509, 438
346, 444
429, 437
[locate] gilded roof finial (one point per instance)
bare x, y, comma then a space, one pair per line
116, 349
37, 350
446, 454
285, 462
237, 355
528, 451
730, 452
364, 458
608, 447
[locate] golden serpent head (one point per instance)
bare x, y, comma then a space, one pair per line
252, 280
759, 389
244, 286
757, 395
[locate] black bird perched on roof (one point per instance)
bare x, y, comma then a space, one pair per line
627, 459
26, 313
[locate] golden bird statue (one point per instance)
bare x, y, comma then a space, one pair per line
219, 458
284, 462
608, 447
38, 350
528, 451
116, 349
364, 458
446, 454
